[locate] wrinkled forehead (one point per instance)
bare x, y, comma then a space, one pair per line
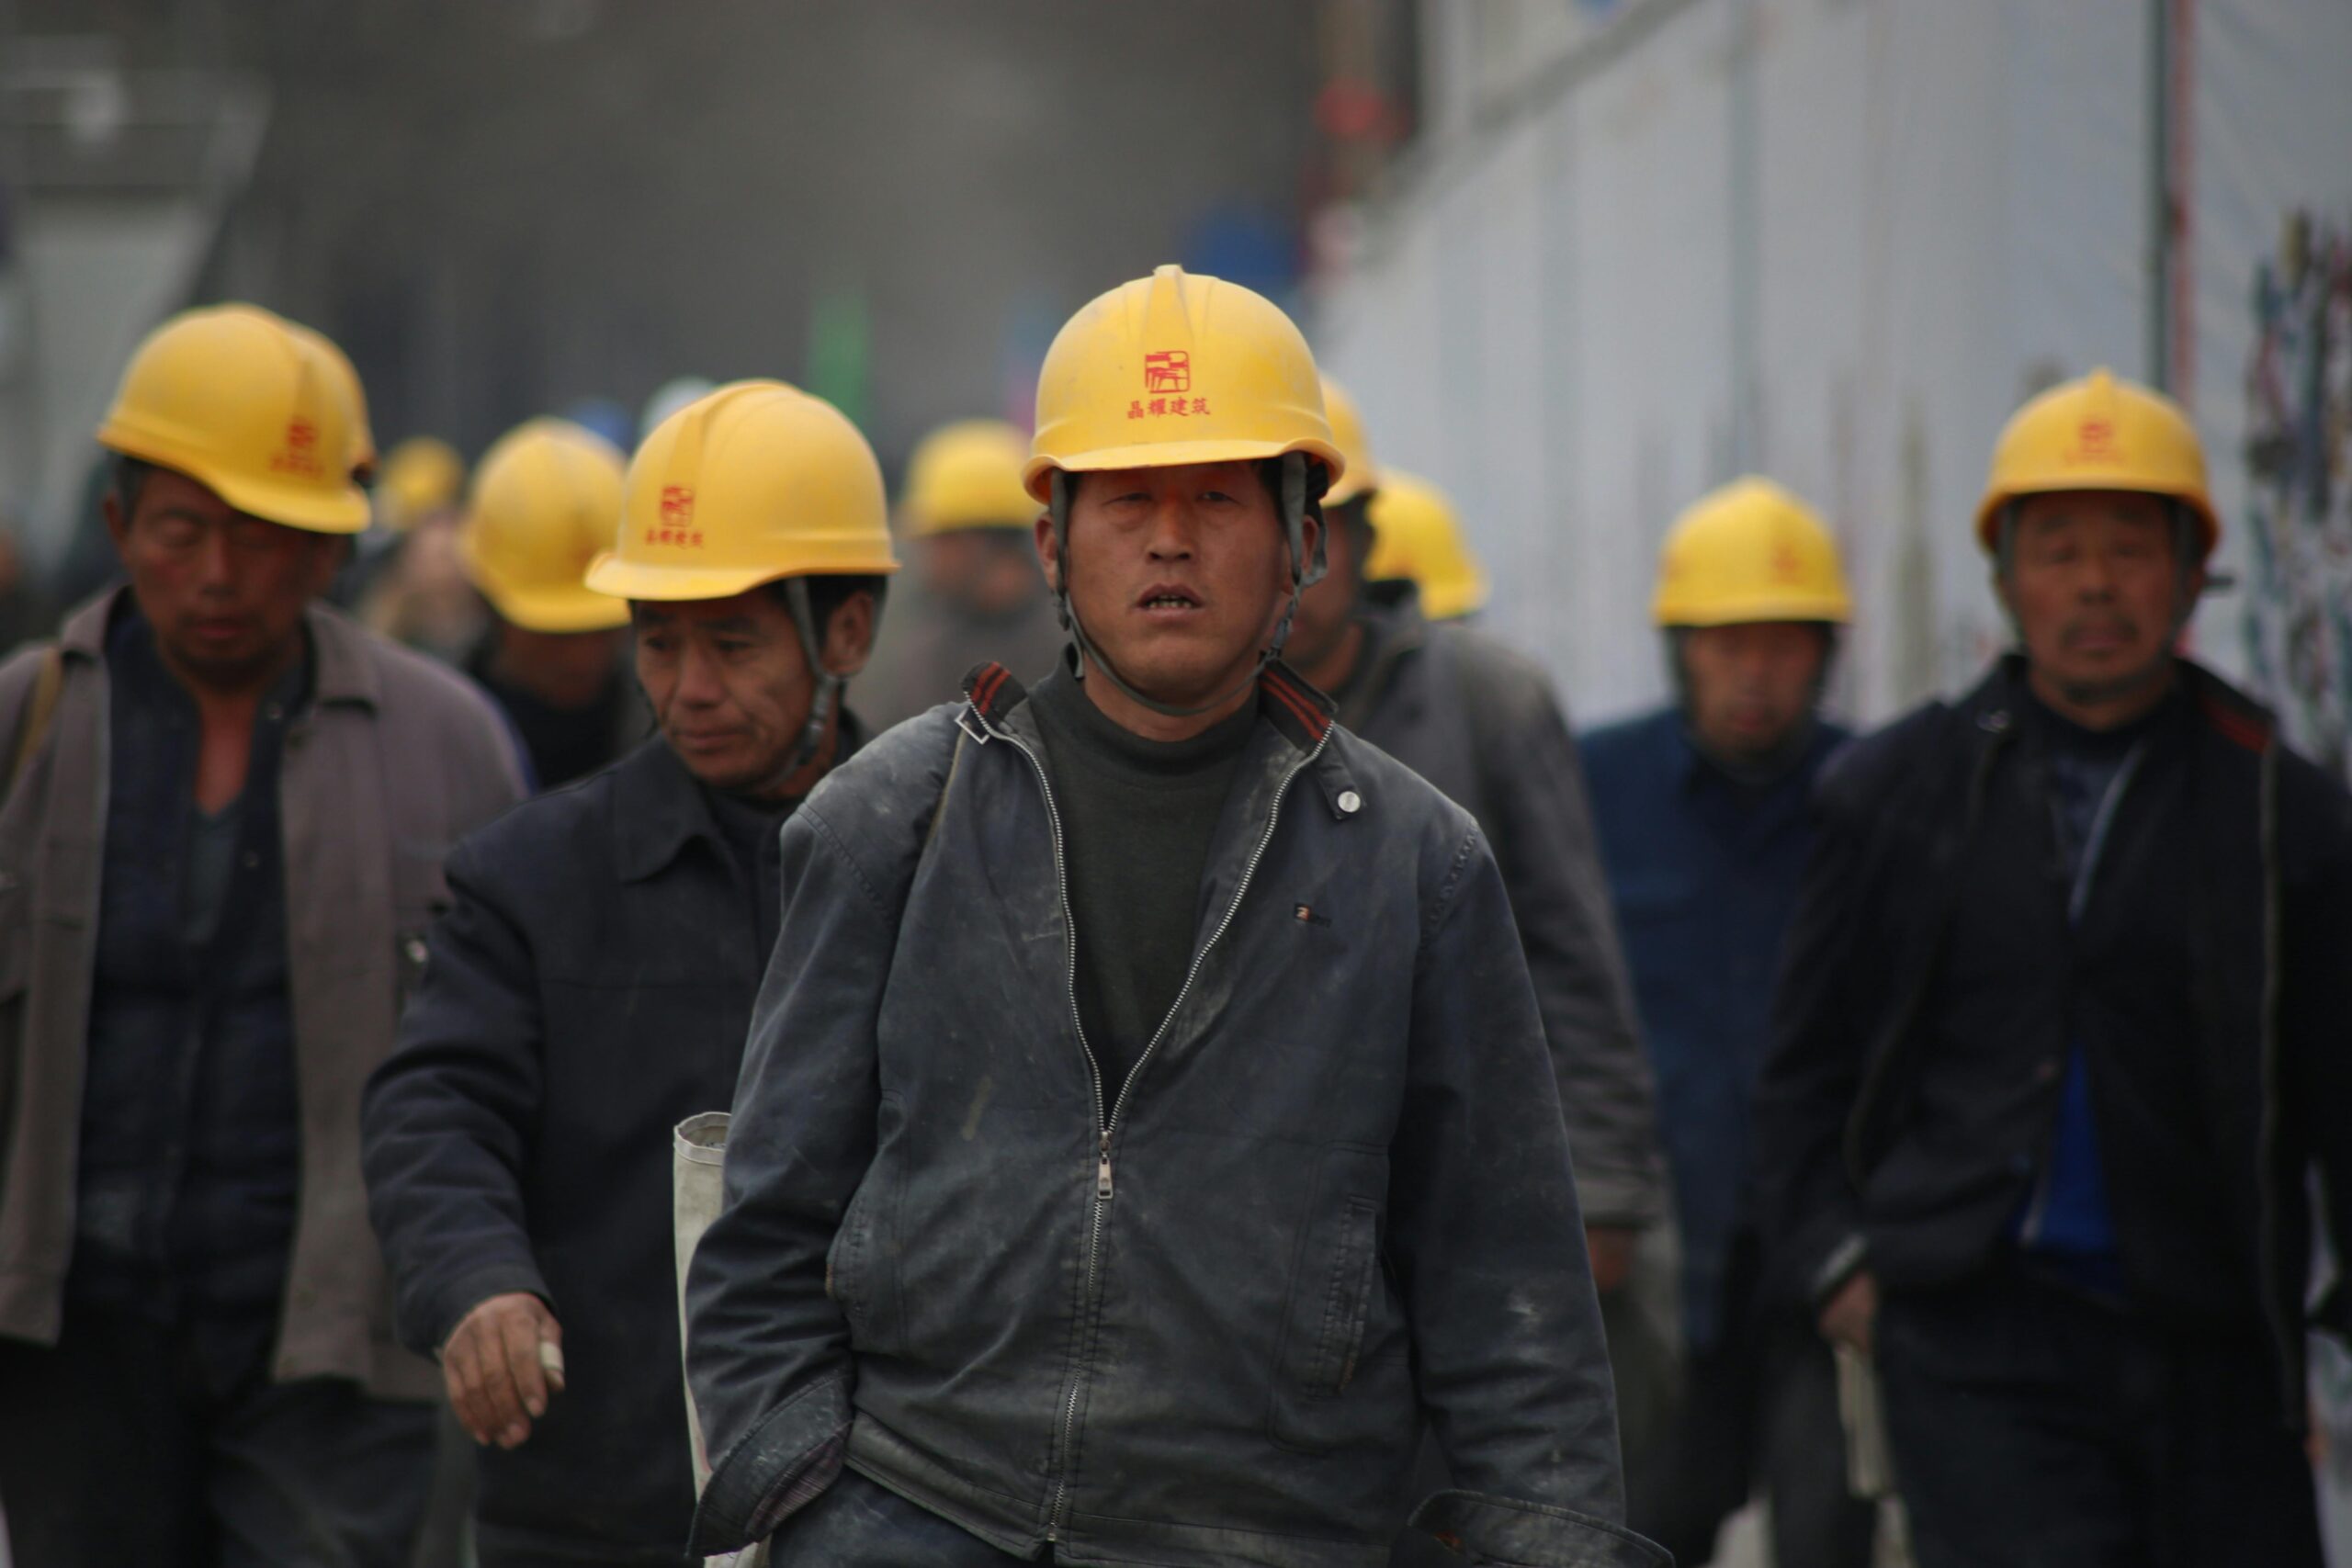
1239, 478
2055, 512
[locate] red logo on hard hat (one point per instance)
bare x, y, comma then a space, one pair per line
677, 504
2095, 440
301, 453
1168, 370
1787, 565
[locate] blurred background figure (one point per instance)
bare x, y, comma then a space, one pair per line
546, 501
1702, 811
412, 586
26, 611
971, 527
1417, 537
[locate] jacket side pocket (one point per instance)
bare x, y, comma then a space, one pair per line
1338, 1321
862, 1266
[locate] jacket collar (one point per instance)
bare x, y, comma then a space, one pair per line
659, 808
1302, 714
2222, 707
344, 672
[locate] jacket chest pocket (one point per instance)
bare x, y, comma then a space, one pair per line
1338, 1328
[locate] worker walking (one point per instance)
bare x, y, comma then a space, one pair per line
1704, 826
1148, 1117
546, 501
2061, 1039
970, 526
591, 982
1481, 722
219, 850
1417, 537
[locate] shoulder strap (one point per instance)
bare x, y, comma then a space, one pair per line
48, 680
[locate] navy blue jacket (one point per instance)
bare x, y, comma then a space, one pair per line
1933, 989
1200, 1320
1705, 873
588, 990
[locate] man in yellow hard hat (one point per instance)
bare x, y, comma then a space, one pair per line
591, 982
1481, 722
1146, 1118
970, 524
1704, 825
546, 501
2059, 1053
1417, 537
222, 842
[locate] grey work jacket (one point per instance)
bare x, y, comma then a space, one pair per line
1480, 722
1198, 1319
396, 758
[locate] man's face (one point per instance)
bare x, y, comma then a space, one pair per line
2095, 588
1178, 574
1749, 687
729, 686
1328, 608
224, 591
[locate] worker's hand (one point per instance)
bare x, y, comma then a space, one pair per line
503, 1362
1849, 1315
1612, 1251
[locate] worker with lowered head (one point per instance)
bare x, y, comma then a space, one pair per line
592, 983
2060, 1045
217, 857
546, 500
1702, 807
969, 525
1146, 1121
1480, 722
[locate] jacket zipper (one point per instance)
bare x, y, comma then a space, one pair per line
1106, 1127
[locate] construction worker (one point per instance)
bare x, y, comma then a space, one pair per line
1147, 1118
2060, 1041
1481, 723
1702, 812
423, 477
546, 500
591, 982
409, 582
222, 845
1416, 535
970, 526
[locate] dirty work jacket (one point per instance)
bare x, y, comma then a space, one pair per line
1481, 723
1704, 872
588, 990
395, 759
1195, 1320
1931, 980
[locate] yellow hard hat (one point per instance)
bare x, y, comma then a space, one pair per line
1172, 370
1418, 535
1749, 552
547, 500
421, 475
238, 400
2098, 433
355, 399
750, 483
1347, 433
968, 475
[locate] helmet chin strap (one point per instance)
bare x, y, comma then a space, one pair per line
826, 695
1303, 572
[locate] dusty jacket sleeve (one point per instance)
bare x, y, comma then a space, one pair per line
767, 1349
1485, 1237
445, 1121
1540, 823
1812, 1070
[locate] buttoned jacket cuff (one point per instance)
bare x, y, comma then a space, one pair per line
1503, 1531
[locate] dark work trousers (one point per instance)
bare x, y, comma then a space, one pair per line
2032, 1426
1758, 1409
856, 1524
133, 1442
